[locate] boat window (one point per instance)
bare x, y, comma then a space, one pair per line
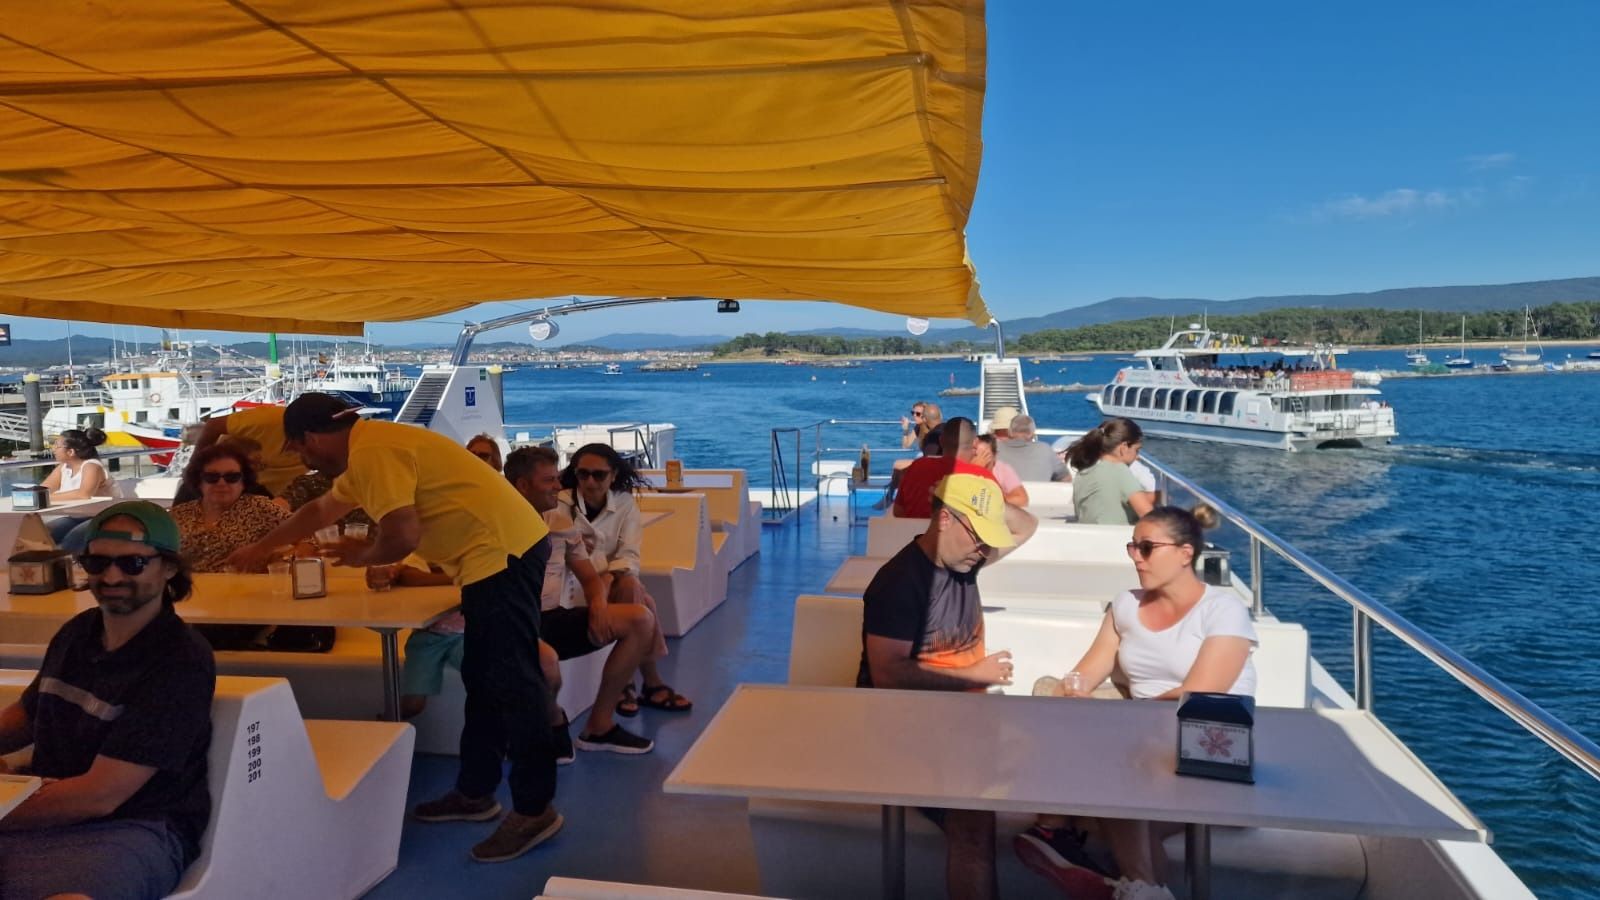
1144, 398
1176, 403
1191, 403
1225, 405
1209, 403
1161, 399
1105, 395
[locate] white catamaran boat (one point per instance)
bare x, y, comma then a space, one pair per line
1206, 386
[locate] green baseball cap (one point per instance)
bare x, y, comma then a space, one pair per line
159, 530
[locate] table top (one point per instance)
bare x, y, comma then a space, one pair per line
223, 599
691, 482
1062, 580
1316, 770
85, 507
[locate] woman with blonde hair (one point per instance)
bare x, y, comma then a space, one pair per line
925, 418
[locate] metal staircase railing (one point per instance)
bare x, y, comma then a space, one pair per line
424, 399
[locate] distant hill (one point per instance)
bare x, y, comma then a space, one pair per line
26, 352
1458, 298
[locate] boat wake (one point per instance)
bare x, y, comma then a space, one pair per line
1567, 470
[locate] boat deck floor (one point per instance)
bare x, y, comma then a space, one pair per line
620, 826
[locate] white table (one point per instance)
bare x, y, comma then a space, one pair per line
1316, 770
651, 516
222, 599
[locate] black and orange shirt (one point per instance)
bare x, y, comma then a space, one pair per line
938, 611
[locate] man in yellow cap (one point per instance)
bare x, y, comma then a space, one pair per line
922, 630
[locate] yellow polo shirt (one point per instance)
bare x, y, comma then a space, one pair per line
472, 518
264, 425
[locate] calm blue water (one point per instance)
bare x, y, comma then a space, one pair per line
1479, 524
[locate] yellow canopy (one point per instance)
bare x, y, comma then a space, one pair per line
304, 165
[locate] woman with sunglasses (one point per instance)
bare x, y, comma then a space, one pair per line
229, 514
597, 495
925, 419
486, 448
1173, 635
1104, 490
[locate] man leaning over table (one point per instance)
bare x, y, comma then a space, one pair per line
119, 717
430, 496
922, 630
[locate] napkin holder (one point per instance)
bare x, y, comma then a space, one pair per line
1216, 736
40, 571
309, 577
29, 497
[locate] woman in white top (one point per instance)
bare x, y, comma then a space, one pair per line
1173, 635
598, 492
79, 473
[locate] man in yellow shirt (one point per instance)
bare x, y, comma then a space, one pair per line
430, 496
280, 462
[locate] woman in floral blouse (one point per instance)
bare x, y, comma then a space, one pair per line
227, 516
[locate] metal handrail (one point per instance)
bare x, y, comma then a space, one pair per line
1561, 737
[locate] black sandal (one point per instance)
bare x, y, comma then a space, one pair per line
663, 697
628, 703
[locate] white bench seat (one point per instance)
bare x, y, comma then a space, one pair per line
730, 511
322, 814
678, 562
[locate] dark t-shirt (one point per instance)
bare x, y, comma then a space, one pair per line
937, 610
915, 499
148, 702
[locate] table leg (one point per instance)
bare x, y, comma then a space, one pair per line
894, 853
1197, 860
391, 673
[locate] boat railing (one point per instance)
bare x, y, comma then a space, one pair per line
1366, 610
826, 446
138, 456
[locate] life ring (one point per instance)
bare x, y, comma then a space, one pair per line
154, 398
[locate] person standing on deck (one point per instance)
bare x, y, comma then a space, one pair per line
430, 496
922, 630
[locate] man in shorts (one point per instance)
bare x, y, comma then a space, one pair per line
119, 717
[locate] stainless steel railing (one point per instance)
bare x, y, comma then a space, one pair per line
1561, 737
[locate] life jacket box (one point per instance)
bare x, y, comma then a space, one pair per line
29, 497
40, 571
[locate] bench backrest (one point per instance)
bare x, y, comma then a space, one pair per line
886, 535
1050, 494
825, 650
724, 506
1072, 542
676, 540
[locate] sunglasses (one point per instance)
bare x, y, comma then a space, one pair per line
594, 474
97, 563
983, 548
917, 413
229, 477
1144, 548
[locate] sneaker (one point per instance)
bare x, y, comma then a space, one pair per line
563, 738
617, 740
457, 807
517, 835
1058, 854
1142, 890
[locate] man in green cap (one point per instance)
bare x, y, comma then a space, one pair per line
119, 717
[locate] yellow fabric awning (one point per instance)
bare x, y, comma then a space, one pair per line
310, 166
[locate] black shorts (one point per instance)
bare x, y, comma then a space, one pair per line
567, 631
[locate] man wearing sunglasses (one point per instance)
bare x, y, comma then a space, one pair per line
119, 717
922, 630
431, 497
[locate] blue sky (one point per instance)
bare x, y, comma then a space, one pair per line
1224, 150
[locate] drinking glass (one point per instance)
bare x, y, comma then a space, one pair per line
1047, 686
356, 530
1072, 684
280, 573
328, 536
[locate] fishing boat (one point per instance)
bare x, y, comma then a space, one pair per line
1460, 360
1205, 386
366, 230
1524, 356
365, 379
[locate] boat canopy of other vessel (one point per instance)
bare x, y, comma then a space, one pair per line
1266, 395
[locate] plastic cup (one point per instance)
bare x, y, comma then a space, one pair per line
328, 536
281, 575
380, 578
1072, 684
356, 530
1047, 686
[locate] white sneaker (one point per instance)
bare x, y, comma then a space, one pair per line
1128, 889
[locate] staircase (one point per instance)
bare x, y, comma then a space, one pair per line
1002, 386
14, 427
424, 399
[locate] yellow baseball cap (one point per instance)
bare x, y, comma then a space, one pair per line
979, 500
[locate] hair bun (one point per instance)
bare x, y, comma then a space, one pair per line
1206, 516
94, 436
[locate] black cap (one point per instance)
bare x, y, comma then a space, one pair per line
316, 413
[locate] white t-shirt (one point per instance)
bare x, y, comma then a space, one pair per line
72, 480
1158, 661
568, 542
